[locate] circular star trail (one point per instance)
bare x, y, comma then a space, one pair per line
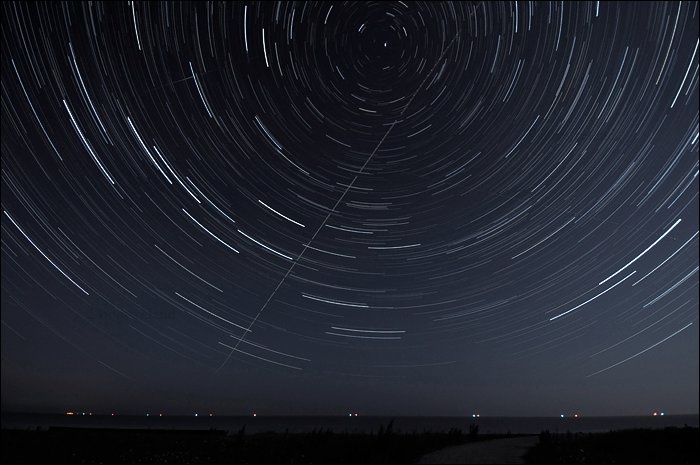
401, 206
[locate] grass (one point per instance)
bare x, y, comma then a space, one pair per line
669, 445
72, 445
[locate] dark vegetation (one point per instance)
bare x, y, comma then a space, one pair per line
73, 445
669, 445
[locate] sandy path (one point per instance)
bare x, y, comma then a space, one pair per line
509, 450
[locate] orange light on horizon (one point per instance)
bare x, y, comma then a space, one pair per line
70, 413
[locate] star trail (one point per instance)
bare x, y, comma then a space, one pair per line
414, 208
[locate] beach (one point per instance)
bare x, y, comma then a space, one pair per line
505, 450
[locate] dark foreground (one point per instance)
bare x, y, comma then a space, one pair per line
72, 445
669, 445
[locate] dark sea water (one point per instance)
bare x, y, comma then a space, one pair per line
338, 424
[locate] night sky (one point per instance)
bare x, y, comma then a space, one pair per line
391, 208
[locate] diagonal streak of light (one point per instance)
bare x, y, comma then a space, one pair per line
340, 199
